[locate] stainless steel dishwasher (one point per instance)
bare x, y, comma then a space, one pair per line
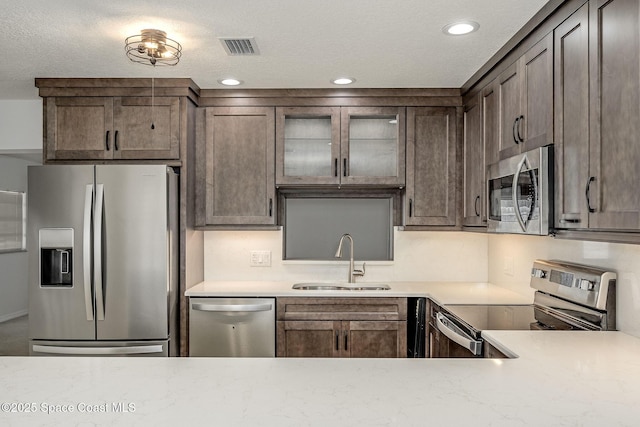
232, 327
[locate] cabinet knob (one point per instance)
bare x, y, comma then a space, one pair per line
106, 141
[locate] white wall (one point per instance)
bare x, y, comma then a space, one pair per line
419, 256
20, 125
20, 140
510, 259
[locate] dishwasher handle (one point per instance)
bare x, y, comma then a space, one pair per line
456, 335
199, 306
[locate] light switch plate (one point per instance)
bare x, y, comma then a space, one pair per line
260, 259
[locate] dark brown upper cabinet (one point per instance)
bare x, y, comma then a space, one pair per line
571, 114
340, 146
235, 177
597, 79
525, 96
112, 128
474, 165
432, 166
612, 199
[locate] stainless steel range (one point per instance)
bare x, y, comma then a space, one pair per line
568, 297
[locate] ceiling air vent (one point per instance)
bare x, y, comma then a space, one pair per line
240, 46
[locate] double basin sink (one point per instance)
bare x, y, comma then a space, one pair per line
341, 286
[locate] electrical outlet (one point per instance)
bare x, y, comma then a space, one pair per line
260, 259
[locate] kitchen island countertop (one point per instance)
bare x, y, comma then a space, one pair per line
560, 378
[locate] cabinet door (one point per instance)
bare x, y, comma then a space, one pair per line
146, 128
431, 166
375, 339
509, 87
79, 128
571, 114
308, 146
614, 43
474, 164
236, 160
491, 124
373, 146
536, 124
309, 338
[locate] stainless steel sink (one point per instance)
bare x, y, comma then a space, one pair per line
319, 286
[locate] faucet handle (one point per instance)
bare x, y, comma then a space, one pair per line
360, 272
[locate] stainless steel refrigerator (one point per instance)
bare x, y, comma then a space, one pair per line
103, 260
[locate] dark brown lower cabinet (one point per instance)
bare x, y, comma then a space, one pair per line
342, 327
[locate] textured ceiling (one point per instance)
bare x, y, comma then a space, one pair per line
303, 43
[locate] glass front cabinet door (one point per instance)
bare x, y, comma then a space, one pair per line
358, 146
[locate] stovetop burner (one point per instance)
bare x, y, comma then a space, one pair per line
508, 318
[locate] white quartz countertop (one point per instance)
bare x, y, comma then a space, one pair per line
560, 379
441, 292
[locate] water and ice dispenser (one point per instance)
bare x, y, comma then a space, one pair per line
56, 257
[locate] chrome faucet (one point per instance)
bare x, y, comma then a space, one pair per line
352, 272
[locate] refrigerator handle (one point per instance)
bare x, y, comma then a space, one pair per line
97, 251
86, 251
98, 351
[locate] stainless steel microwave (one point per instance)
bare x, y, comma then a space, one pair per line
520, 193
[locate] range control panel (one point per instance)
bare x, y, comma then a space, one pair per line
576, 282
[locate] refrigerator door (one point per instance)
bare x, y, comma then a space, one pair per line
132, 259
61, 302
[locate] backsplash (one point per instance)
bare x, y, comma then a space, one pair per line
510, 258
419, 256
504, 260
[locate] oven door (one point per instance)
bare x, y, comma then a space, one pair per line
518, 193
447, 339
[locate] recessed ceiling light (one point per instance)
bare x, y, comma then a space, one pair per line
230, 82
460, 28
343, 81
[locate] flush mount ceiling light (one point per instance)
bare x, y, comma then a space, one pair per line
230, 82
460, 28
343, 81
153, 47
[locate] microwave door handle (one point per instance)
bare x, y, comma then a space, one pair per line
472, 345
514, 193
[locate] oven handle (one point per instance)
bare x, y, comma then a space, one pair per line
514, 193
456, 335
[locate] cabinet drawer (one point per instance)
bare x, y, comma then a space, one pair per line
329, 308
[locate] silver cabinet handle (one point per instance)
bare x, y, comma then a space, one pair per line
86, 250
97, 251
231, 307
98, 351
456, 335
